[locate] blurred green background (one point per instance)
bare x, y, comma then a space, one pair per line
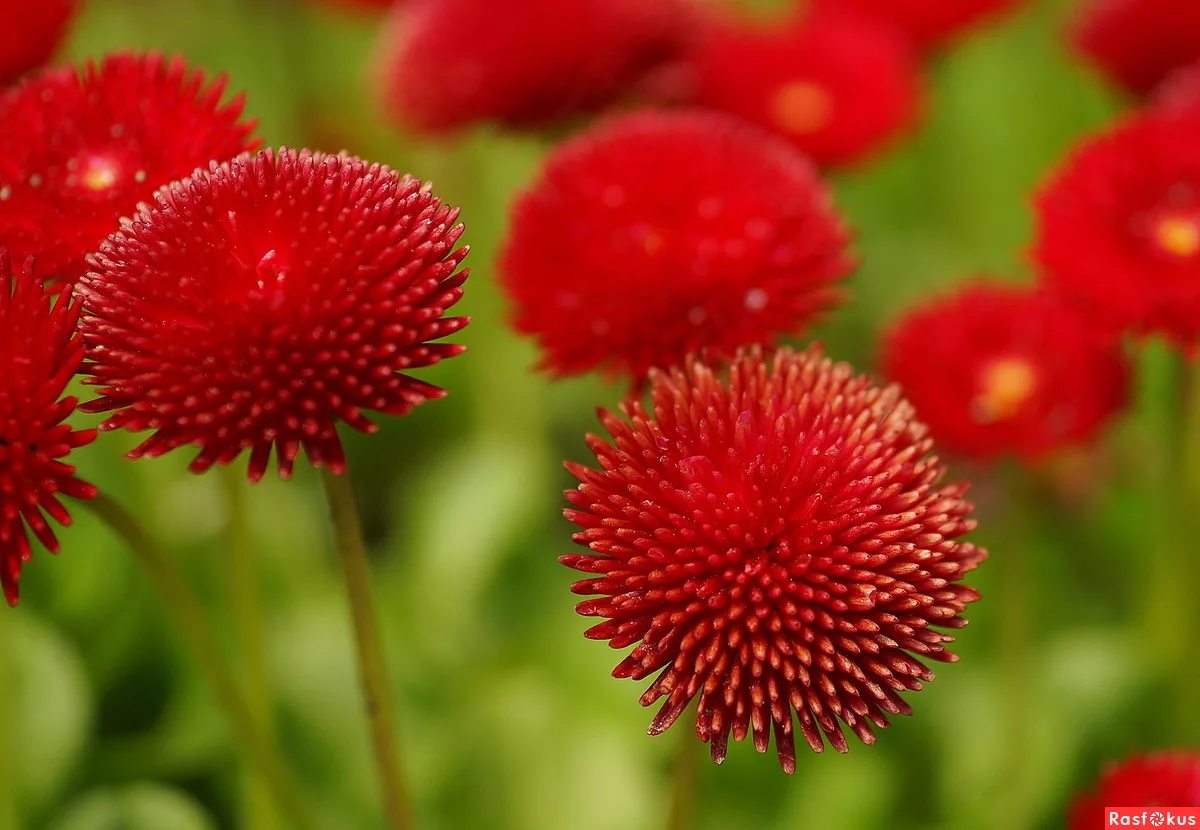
509, 717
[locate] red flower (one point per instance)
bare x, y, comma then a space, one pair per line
522, 63
1166, 779
1179, 93
40, 353
930, 23
837, 83
995, 369
1137, 43
656, 234
30, 34
262, 300
1119, 227
778, 541
91, 145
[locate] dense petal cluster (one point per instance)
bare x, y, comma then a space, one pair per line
522, 63
1119, 227
998, 369
262, 300
657, 234
775, 543
1165, 779
40, 354
930, 23
836, 82
30, 33
92, 144
1137, 43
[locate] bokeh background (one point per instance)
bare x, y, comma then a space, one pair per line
509, 717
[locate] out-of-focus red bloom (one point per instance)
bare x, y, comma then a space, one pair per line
1165, 779
779, 541
40, 354
1119, 227
1137, 43
29, 34
930, 23
1179, 93
995, 369
656, 234
80, 150
259, 302
522, 63
836, 82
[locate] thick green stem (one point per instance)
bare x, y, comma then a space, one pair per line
10, 818
683, 775
343, 510
1181, 621
188, 615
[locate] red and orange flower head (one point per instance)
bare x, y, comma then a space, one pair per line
521, 63
1137, 43
836, 82
1119, 227
30, 34
1164, 779
779, 541
92, 144
259, 302
40, 354
997, 369
932, 23
656, 234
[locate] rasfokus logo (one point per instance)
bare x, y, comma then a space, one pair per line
1157, 817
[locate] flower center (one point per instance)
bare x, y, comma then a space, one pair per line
1006, 384
1178, 235
95, 173
801, 107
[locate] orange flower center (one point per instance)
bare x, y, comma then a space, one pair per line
1006, 384
801, 108
1179, 235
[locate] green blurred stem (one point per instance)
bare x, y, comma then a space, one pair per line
343, 510
184, 608
246, 608
683, 776
10, 818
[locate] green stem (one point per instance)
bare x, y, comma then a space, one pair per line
683, 776
1180, 576
10, 818
185, 609
343, 510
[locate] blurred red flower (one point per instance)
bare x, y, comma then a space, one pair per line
1179, 93
1119, 227
931, 23
1137, 43
1165, 779
775, 542
997, 369
40, 354
262, 300
30, 33
93, 144
656, 234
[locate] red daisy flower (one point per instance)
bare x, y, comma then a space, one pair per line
838, 83
1119, 227
995, 369
1137, 43
259, 302
30, 34
93, 144
657, 234
1166, 779
930, 23
522, 63
775, 542
40, 354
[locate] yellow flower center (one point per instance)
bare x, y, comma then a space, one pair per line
801, 108
1179, 235
1006, 385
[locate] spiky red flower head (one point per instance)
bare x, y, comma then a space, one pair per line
773, 543
30, 34
996, 369
522, 63
836, 82
88, 146
1164, 779
1137, 43
656, 234
930, 23
40, 354
259, 302
1119, 227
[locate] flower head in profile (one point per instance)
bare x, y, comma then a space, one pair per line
40, 354
1137, 43
656, 234
1163, 779
261, 301
30, 34
777, 544
1119, 227
999, 369
932, 23
92, 144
